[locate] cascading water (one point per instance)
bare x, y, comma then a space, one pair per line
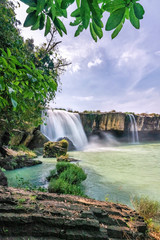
60, 124
133, 129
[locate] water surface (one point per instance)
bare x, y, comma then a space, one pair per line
118, 173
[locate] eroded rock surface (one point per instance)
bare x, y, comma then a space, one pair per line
55, 149
35, 215
3, 179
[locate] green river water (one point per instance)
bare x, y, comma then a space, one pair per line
118, 173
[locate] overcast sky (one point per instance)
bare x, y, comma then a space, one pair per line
121, 74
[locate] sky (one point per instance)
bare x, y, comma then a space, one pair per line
121, 74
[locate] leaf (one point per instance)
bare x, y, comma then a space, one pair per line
40, 6
31, 3
113, 5
36, 25
48, 26
30, 19
8, 52
117, 30
76, 13
85, 13
138, 10
31, 9
60, 25
115, 19
78, 3
79, 30
53, 12
133, 19
42, 20
93, 34
97, 30
14, 102
66, 3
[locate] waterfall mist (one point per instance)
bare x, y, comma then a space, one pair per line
133, 129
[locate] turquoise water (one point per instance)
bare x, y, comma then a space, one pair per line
118, 173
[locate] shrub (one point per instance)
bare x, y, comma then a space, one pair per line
61, 166
63, 187
73, 174
146, 207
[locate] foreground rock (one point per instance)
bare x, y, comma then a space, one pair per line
35, 215
3, 179
55, 149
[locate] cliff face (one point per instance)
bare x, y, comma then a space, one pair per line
119, 124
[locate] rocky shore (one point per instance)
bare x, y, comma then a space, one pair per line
37, 215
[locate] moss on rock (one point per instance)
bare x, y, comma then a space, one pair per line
55, 149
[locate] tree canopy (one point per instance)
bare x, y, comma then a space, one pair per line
29, 75
87, 14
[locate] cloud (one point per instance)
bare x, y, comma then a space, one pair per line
87, 98
94, 63
75, 68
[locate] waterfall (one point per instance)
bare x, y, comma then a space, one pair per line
59, 124
133, 129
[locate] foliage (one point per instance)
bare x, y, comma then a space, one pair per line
29, 75
87, 14
63, 187
67, 180
150, 210
27, 185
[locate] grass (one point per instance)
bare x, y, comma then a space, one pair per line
150, 211
67, 180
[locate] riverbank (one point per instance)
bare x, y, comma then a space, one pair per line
47, 216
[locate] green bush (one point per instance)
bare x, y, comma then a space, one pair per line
62, 166
63, 187
73, 174
67, 180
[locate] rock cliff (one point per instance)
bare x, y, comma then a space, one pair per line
119, 124
35, 215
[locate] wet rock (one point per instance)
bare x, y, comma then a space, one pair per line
10, 162
55, 149
3, 179
35, 215
38, 140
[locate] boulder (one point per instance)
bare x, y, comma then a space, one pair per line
3, 179
36, 215
38, 140
71, 146
55, 149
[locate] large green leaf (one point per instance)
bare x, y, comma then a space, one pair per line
113, 5
97, 30
65, 3
138, 10
42, 20
115, 19
30, 19
85, 13
76, 13
133, 19
31, 9
36, 25
40, 5
48, 26
79, 30
93, 34
117, 30
60, 25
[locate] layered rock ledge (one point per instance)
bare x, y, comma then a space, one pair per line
37, 215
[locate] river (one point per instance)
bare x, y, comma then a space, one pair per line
116, 173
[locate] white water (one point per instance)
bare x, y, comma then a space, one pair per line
133, 129
61, 124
